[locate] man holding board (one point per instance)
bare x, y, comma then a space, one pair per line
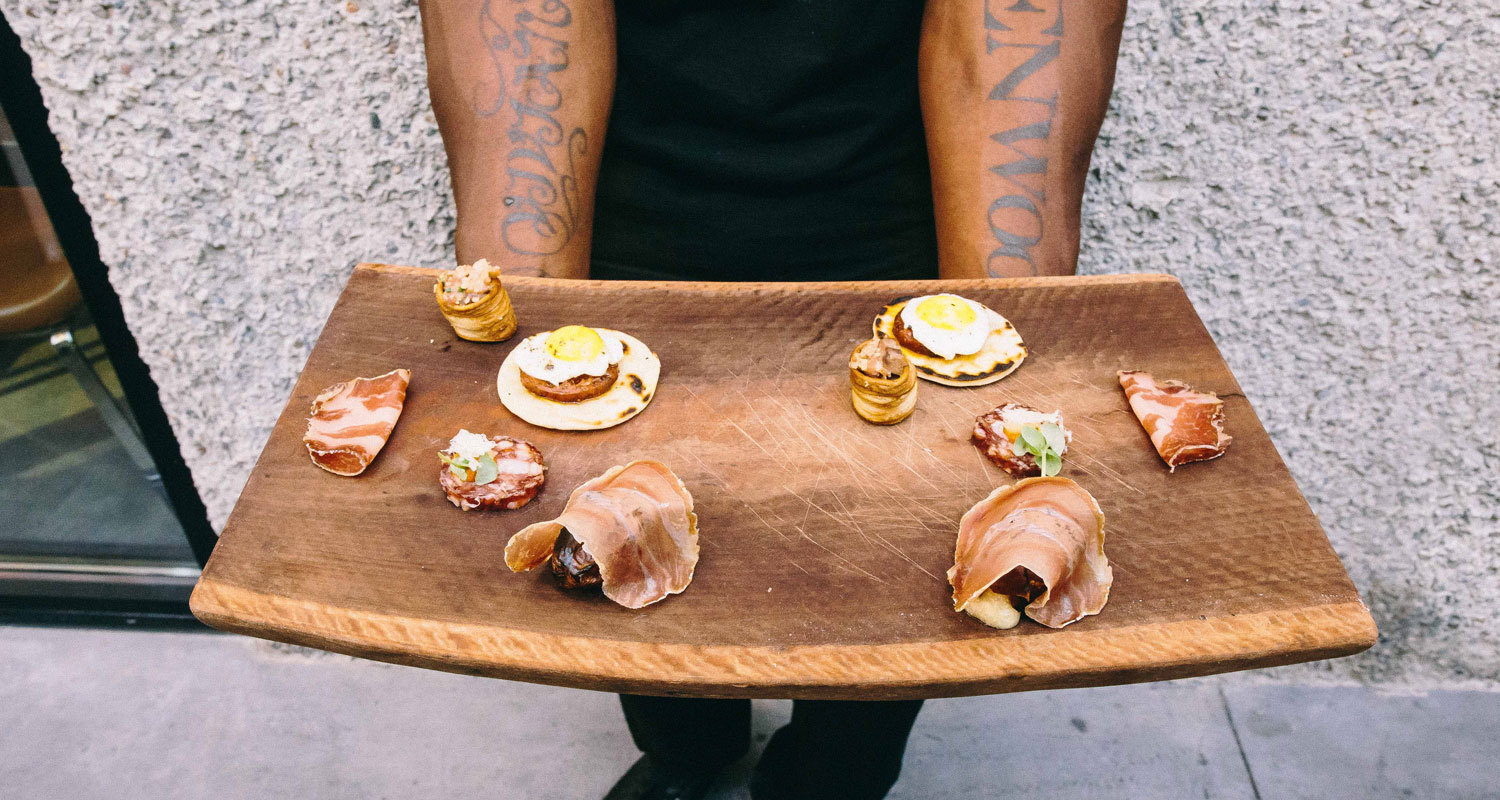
784, 140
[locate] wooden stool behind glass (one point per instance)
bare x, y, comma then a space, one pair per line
39, 301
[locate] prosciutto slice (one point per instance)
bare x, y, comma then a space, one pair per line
1185, 425
351, 420
1048, 527
636, 521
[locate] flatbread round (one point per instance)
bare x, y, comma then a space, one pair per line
639, 372
1003, 351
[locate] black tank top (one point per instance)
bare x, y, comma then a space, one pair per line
771, 140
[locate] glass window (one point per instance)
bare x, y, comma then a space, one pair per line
79, 493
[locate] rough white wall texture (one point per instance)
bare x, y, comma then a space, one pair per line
1323, 177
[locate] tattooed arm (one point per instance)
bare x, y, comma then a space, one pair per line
521, 90
1013, 93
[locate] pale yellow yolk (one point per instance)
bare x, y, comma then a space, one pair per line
945, 312
574, 343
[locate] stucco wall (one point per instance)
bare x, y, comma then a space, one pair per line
1323, 178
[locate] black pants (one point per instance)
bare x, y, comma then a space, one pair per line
831, 750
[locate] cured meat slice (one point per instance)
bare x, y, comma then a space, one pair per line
351, 420
1184, 425
636, 521
1037, 543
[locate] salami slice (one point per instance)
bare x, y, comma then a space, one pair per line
351, 420
518, 474
996, 431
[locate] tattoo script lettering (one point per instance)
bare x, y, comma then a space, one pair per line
1023, 39
528, 53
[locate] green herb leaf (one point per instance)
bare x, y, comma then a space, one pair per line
1053, 433
1036, 443
451, 461
1050, 462
487, 471
458, 472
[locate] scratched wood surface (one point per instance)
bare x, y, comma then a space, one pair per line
824, 539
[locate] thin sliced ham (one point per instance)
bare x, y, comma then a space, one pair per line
1041, 540
351, 420
636, 521
1184, 425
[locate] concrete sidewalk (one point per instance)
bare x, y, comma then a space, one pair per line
133, 714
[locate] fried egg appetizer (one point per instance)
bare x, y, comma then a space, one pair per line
578, 378
953, 340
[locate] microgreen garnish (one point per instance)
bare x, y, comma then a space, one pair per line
1053, 433
487, 471
458, 466
1035, 442
1045, 443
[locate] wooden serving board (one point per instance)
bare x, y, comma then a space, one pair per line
824, 539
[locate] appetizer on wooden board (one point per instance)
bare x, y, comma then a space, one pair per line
1185, 425
480, 471
475, 303
351, 420
953, 340
1021, 440
1035, 547
631, 531
882, 382
1223, 568
578, 378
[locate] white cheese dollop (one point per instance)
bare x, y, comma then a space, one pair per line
469, 446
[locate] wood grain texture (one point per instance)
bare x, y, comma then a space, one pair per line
824, 538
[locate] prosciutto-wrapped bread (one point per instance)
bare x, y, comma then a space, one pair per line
631, 530
1185, 425
1037, 547
351, 420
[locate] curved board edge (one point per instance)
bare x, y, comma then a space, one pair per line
908, 670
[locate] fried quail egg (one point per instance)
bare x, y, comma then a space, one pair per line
949, 325
568, 352
637, 371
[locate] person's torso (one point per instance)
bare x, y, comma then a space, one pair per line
775, 140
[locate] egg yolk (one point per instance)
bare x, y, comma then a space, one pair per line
946, 312
574, 343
